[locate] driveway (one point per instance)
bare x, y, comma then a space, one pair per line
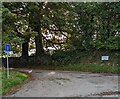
69, 84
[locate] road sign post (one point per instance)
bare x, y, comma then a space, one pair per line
7, 50
8, 73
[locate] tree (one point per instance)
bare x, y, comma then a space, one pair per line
20, 23
8, 34
35, 22
64, 26
108, 21
97, 22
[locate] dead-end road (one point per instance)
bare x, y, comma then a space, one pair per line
69, 84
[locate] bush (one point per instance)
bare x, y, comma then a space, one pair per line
69, 57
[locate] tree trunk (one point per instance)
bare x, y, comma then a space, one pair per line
38, 38
39, 45
25, 49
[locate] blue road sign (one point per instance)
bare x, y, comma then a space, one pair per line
7, 48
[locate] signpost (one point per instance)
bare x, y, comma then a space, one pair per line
7, 50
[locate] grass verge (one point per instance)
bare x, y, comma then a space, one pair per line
95, 68
16, 79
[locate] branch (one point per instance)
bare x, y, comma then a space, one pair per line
51, 42
19, 34
59, 30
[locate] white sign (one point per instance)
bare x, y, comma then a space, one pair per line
105, 58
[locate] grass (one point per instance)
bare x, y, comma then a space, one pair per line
16, 79
95, 68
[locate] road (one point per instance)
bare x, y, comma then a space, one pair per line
69, 84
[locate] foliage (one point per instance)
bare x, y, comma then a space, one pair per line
8, 35
95, 68
68, 27
69, 55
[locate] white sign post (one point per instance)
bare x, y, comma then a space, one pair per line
8, 73
7, 50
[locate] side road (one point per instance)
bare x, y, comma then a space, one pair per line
68, 84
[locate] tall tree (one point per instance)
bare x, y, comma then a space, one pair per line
35, 21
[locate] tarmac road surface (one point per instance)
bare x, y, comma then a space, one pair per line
69, 84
